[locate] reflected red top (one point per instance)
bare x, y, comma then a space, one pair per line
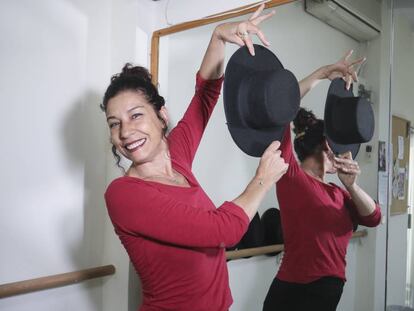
316, 221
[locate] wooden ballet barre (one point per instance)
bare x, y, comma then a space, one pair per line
52, 281
256, 251
237, 254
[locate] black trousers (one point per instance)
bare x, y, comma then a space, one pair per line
321, 295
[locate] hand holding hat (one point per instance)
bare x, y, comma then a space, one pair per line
343, 68
239, 32
348, 169
271, 166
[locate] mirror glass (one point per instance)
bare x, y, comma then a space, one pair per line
302, 43
400, 256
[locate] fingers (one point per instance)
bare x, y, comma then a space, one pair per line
273, 147
349, 170
257, 12
239, 41
354, 76
262, 38
353, 72
272, 166
338, 163
348, 82
359, 61
347, 55
345, 164
345, 66
249, 44
245, 29
346, 155
256, 21
272, 150
245, 37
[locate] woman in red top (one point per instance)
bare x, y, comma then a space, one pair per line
172, 231
317, 217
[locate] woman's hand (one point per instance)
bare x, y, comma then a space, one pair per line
269, 171
272, 166
240, 32
347, 169
343, 68
237, 32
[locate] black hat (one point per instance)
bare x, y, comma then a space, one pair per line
349, 120
272, 226
253, 237
260, 99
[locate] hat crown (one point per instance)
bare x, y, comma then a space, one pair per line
261, 95
349, 120
354, 118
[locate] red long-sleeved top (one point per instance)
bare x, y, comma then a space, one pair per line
317, 223
175, 236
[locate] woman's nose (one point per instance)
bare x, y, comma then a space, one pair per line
126, 130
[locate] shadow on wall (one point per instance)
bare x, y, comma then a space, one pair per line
84, 136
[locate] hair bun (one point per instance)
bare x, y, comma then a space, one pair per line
138, 72
303, 120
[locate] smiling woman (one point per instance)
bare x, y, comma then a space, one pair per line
173, 233
133, 98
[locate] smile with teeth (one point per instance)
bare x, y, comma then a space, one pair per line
135, 144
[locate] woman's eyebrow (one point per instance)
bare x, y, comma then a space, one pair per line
129, 110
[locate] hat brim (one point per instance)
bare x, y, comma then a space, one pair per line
251, 141
337, 89
341, 148
262, 138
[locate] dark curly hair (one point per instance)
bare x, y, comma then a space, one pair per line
134, 78
309, 134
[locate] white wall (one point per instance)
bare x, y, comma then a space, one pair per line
52, 162
224, 170
56, 60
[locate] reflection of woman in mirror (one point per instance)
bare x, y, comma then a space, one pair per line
317, 217
172, 231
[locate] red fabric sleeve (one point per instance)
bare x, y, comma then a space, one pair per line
371, 220
287, 153
137, 208
185, 138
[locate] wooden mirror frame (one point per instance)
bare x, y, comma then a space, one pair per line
156, 35
154, 69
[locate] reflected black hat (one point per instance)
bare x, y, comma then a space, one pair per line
349, 120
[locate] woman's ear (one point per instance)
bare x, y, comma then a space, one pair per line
164, 114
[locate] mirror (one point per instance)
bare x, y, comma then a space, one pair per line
400, 256
303, 44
